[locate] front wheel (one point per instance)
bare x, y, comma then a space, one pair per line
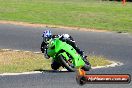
67, 64
55, 65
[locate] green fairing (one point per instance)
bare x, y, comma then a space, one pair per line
56, 45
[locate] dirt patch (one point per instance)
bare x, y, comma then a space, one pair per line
52, 26
23, 61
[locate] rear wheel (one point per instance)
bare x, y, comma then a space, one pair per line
67, 64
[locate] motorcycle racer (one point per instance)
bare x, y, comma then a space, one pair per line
64, 37
47, 38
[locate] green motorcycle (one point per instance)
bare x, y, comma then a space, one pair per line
66, 56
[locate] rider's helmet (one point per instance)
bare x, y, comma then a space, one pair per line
46, 35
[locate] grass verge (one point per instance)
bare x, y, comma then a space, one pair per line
20, 61
93, 14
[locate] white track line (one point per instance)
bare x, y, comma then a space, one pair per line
114, 64
27, 51
24, 73
37, 52
6, 49
16, 50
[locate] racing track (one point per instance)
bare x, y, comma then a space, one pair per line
117, 47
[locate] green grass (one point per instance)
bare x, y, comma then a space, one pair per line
96, 14
12, 61
98, 60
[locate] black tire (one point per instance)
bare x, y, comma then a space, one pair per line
65, 64
87, 65
82, 80
55, 65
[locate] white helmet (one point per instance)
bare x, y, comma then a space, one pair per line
66, 36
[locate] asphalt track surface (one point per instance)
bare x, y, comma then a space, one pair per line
117, 47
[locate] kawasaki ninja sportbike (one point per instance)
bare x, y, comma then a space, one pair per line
66, 56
